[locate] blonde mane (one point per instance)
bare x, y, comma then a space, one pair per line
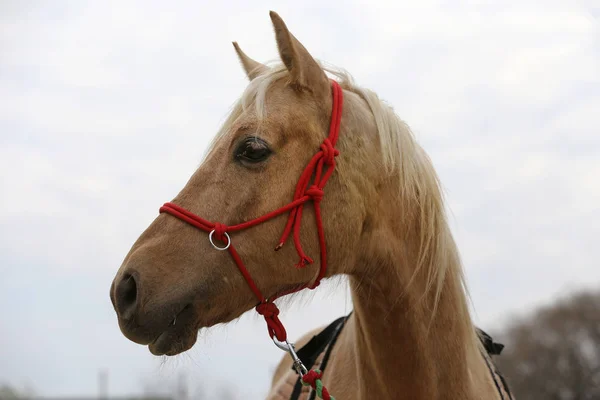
401, 156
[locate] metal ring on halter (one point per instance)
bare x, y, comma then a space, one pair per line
213, 243
287, 346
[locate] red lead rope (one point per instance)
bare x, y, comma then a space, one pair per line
321, 166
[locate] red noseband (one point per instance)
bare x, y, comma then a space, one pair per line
320, 167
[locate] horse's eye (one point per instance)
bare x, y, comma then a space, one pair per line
253, 150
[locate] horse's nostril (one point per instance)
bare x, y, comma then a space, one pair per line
126, 296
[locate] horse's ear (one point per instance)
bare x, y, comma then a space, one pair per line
305, 72
252, 68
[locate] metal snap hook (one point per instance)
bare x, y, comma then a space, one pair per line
210, 237
289, 347
285, 346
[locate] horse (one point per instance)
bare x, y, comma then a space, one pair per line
305, 152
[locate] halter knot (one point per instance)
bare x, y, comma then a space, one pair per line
315, 192
329, 152
313, 379
220, 230
267, 310
274, 325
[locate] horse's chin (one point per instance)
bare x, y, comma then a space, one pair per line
179, 337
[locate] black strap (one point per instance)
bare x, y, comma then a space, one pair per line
309, 353
494, 348
491, 369
491, 347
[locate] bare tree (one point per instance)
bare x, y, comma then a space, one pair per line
10, 392
554, 354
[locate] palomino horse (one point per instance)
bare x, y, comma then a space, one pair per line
376, 214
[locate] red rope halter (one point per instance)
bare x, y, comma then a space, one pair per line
321, 166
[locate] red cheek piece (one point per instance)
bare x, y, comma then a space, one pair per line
319, 169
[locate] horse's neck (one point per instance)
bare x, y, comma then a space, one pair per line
394, 347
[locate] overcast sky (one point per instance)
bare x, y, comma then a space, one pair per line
106, 109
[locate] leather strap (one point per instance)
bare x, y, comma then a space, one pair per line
309, 353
